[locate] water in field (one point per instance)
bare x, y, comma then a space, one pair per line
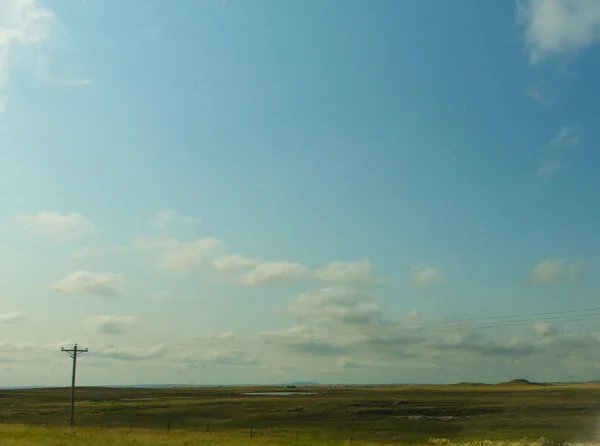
278, 393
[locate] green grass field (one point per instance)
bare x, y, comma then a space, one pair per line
383, 415
19, 435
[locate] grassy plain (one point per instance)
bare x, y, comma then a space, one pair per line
410, 415
18, 435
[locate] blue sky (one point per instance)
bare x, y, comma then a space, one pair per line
230, 191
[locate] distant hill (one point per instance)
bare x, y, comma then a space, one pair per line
521, 382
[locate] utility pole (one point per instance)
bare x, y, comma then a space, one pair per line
73, 353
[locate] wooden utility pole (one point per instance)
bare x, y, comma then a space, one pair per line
73, 353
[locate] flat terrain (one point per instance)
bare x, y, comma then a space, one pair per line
16, 435
410, 414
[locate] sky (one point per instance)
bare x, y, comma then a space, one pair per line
225, 191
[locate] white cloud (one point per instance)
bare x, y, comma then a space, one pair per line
236, 262
306, 340
275, 273
348, 363
547, 170
163, 218
46, 223
18, 352
555, 27
9, 318
556, 270
24, 26
539, 92
117, 352
217, 357
335, 304
426, 276
565, 136
225, 335
544, 329
86, 282
287, 367
175, 255
86, 252
208, 254
185, 256
548, 270
110, 324
346, 272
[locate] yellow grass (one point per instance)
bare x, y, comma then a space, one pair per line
20, 435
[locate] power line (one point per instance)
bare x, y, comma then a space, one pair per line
578, 316
73, 353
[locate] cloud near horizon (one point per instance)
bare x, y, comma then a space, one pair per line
9, 318
110, 324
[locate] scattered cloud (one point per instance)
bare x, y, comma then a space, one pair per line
9, 318
565, 136
12, 352
216, 357
426, 276
87, 252
548, 170
57, 224
349, 363
558, 27
402, 342
544, 329
335, 304
209, 255
236, 262
24, 26
95, 284
225, 335
112, 351
110, 324
346, 272
539, 92
174, 255
164, 218
556, 270
306, 340
275, 273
